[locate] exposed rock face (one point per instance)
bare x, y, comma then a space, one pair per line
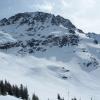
37, 22
31, 18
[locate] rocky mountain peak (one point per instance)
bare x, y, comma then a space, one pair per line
31, 17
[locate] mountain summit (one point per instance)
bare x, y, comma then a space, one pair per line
31, 18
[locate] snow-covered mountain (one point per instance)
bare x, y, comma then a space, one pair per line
40, 50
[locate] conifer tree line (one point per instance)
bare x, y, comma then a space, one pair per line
20, 92
7, 89
60, 98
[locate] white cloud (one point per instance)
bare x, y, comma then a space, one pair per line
44, 7
65, 4
83, 13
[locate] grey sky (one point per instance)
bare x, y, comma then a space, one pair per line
83, 13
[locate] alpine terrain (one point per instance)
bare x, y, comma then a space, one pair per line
50, 56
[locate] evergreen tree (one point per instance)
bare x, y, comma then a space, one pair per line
58, 97
17, 92
34, 97
2, 86
74, 98
21, 91
9, 91
25, 93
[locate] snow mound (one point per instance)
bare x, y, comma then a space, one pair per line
8, 98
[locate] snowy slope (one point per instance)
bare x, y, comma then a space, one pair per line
40, 75
5, 38
49, 55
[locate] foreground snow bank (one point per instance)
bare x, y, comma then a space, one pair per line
8, 98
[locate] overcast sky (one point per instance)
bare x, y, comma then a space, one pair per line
84, 14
